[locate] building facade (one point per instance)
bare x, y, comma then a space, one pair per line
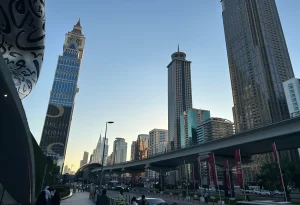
98, 151
179, 95
133, 148
188, 125
120, 151
292, 94
214, 128
258, 61
158, 144
85, 158
142, 146
61, 104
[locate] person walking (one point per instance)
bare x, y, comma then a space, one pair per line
41, 200
143, 201
102, 199
47, 195
133, 201
120, 199
206, 196
56, 199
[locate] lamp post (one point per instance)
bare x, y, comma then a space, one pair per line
101, 173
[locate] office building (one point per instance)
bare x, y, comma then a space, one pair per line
66, 169
292, 93
62, 96
214, 128
258, 61
179, 95
142, 146
133, 148
98, 151
91, 158
158, 143
109, 160
85, 158
188, 125
120, 151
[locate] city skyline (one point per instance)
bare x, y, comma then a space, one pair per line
197, 51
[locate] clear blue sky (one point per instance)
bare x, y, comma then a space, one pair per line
123, 75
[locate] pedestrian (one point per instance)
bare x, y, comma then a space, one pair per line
206, 197
133, 201
120, 199
47, 194
143, 201
41, 200
102, 199
56, 199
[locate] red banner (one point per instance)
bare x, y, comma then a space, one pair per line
199, 170
213, 167
227, 174
208, 173
275, 153
238, 165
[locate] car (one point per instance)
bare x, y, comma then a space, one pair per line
265, 193
119, 188
153, 201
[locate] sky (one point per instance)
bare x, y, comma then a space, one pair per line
123, 76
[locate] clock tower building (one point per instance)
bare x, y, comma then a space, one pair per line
58, 119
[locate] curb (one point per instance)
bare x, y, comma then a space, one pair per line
69, 196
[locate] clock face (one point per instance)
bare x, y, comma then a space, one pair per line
78, 41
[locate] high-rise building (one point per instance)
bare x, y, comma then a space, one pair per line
81, 163
179, 95
91, 158
292, 94
109, 160
158, 143
142, 146
62, 96
258, 61
120, 151
188, 125
85, 158
133, 148
98, 152
214, 128
66, 169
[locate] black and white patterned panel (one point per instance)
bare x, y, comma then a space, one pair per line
22, 35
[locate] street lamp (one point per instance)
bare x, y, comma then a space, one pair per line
101, 173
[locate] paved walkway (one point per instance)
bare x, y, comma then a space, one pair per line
78, 198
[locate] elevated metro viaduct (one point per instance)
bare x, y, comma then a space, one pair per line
286, 135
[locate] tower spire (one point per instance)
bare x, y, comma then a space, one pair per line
178, 48
78, 23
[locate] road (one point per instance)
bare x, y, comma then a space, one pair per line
128, 196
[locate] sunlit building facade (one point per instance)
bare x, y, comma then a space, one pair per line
179, 96
188, 125
120, 151
62, 97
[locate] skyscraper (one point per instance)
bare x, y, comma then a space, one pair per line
133, 148
61, 104
120, 151
98, 152
142, 146
179, 95
85, 158
188, 125
258, 61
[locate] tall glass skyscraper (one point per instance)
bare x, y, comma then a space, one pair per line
258, 61
179, 96
59, 114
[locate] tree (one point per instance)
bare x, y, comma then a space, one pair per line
269, 177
